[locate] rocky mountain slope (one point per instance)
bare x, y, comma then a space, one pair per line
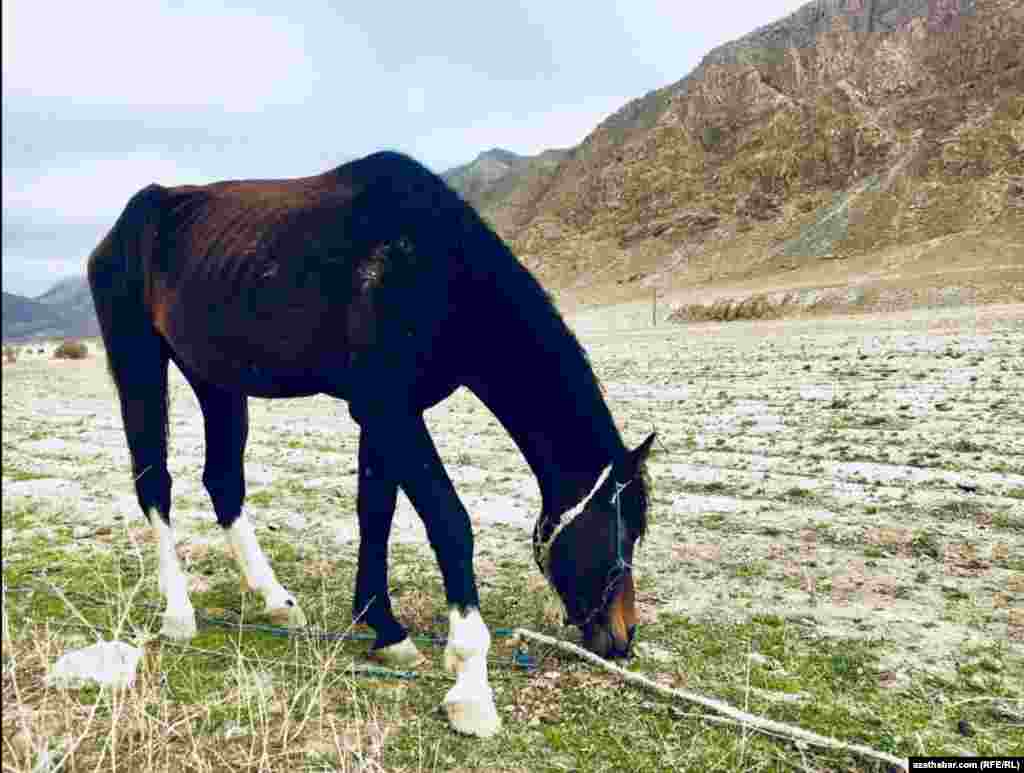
504, 185
849, 127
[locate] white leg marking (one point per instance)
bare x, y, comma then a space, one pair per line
470, 703
179, 617
258, 576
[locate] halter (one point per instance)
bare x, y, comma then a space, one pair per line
620, 562
542, 547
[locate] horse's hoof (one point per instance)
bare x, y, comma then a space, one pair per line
404, 654
473, 715
179, 627
288, 616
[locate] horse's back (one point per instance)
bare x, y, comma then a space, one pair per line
274, 286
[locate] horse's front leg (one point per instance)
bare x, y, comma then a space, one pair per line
404, 445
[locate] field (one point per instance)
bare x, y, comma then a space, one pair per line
837, 542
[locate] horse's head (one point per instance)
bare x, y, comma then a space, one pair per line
590, 558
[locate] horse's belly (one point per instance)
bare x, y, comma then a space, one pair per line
258, 381
260, 374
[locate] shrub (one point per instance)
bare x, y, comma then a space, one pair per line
10, 355
71, 350
710, 136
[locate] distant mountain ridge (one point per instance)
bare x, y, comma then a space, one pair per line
24, 317
64, 311
504, 185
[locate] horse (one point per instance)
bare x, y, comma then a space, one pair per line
374, 283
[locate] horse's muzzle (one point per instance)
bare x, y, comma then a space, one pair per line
601, 639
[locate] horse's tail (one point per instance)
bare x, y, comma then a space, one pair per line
119, 278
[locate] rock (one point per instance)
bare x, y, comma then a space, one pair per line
108, 663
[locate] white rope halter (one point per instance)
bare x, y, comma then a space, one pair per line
542, 548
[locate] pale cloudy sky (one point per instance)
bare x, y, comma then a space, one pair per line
101, 98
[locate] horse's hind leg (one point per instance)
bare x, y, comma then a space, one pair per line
226, 423
378, 493
141, 379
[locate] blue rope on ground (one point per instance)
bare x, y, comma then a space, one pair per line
520, 659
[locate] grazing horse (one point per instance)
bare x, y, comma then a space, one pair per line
374, 283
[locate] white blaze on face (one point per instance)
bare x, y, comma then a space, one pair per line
470, 703
179, 617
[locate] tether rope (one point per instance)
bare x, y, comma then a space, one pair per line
519, 659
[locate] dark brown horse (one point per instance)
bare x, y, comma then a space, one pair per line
377, 284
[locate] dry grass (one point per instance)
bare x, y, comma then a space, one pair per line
730, 309
270, 714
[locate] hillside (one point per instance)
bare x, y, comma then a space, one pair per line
24, 317
65, 310
73, 299
504, 186
843, 130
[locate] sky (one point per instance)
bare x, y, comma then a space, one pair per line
103, 98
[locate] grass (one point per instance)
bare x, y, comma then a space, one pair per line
233, 699
245, 700
16, 474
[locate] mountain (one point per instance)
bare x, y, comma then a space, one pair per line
73, 299
505, 186
63, 311
846, 129
24, 317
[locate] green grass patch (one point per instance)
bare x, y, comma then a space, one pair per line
16, 474
229, 692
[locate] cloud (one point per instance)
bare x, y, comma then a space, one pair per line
95, 189
54, 219
138, 53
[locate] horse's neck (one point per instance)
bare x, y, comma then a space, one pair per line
553, 409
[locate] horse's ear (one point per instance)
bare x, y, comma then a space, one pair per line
631, 464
